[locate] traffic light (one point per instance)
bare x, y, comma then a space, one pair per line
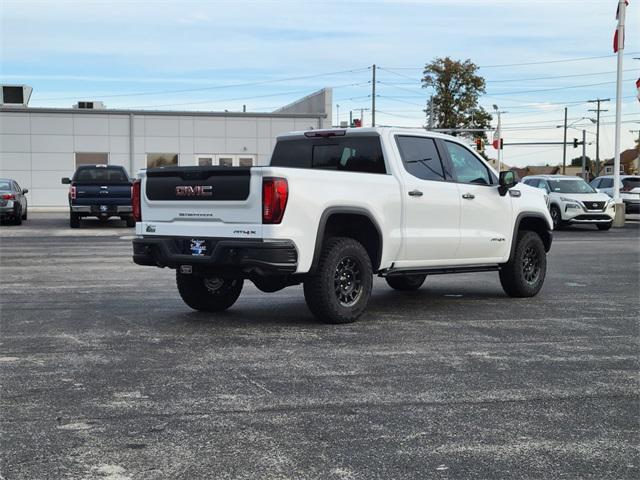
357, 122
575, 143
479, 144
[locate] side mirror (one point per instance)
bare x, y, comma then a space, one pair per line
506, 181
25, 190
66, 180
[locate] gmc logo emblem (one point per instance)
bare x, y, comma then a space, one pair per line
194, 191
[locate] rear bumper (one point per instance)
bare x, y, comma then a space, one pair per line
631, 206
96, 209
234, 255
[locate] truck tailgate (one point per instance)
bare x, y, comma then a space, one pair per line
202, 201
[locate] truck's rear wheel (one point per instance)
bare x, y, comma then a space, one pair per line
406, 283
339, 290
74, 220
208, 294
524, 273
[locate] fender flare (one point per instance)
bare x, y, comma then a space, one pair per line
323, 224
516, 228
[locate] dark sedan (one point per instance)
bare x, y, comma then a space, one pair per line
13, 202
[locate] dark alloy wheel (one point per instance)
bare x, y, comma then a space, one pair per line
208, 294
523, 275
406, 283
17, 216
556, 216
339, 290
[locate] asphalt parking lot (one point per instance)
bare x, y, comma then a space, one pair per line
106, 374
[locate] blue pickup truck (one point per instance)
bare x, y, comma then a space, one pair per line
101, 191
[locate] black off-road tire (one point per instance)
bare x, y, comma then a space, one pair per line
556, 216
24, 214
130, 222
604, 226
340, 288
208, 294
17, 218
74, 220
406, 283
524, 274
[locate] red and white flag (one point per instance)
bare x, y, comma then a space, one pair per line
626, 2
496, 139
638, 87
615, 35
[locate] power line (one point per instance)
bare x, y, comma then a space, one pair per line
558, 88
544, 62
216, 87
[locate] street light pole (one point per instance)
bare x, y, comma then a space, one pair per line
564, 148
584, 155
619, 219
598, 110
337, 115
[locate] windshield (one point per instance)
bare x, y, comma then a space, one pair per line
570, 186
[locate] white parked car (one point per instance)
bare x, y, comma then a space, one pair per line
572, 200
629, 191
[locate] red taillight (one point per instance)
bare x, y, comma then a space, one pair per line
72, 192
135, 201
8, 196
275, 192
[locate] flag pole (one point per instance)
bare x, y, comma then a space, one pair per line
619, 218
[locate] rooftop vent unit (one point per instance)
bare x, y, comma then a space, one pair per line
85, 105
16, 95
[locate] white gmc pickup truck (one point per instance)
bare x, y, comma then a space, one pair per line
335, 207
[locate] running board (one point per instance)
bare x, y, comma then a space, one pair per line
437, 270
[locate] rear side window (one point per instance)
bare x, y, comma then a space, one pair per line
348, 153
420, 157
631, 183
96, 175
606, 183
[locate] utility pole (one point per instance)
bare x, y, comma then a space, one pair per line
337, 115
598, 110
584, 155
350, 117
373, 95
431, 112
564, 148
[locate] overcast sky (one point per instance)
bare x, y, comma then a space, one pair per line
192, 56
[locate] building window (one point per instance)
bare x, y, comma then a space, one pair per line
225, 161
92, 158
204, 161
162, 160
245, 162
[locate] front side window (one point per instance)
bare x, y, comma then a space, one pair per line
348, 153
467, 167
420, 157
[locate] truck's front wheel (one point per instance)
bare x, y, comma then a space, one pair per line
208, 294
339, 290
523, 275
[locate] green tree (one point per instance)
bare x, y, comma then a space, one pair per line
457, 88
577, 162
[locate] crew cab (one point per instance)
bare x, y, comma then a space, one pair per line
572, 200
101, 191
334, 208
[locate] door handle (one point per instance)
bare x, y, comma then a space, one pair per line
415, 193
468, 196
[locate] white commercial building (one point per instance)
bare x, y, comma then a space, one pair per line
38, 146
